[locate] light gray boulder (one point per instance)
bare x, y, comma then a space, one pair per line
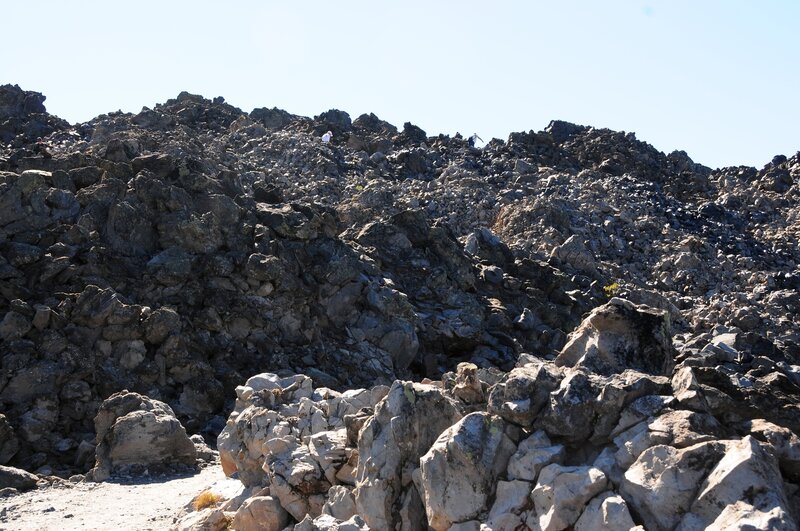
744, 485
327, 522
621, 335
511, 500
562, 493
341, 504
405, 425
459, 474
533, 454
661, 485
525, 392
260, 513
606, 511
784, 443
136, 432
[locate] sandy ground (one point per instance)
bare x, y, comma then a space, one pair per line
117, 505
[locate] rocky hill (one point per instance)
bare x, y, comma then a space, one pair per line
590, 284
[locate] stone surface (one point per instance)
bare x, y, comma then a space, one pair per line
661, 485
260, 513
15, 478
9, 444
605, 511
561, 494
459, 473
404, 427
178, 251
746, 485
620, 336
135, 433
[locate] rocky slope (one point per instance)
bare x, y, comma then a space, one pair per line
179, 251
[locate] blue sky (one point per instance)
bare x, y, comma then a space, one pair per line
718, 79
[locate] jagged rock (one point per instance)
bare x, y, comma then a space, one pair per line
588, 406
179, 250
260, 513
663, 481
744, 485
16, 478
561, 494
405, 425
533, 453
606, 511
784, 443
511, 499
14, 326
524, 393
329, 523
619, 336
211, 519
574, 253
458, 475
679, 429
341, 503
134, 431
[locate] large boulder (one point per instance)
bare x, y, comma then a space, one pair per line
744, 486
15, 478
260, 513
621, 335
562, 492
606, 511
458, 476
524, 392
135, 432
405, 425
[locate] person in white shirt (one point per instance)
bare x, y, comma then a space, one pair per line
473, 138
327, 137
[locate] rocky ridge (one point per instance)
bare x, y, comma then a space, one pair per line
181, 250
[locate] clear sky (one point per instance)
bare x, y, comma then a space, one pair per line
716, 78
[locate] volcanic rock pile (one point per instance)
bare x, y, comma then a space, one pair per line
179, 251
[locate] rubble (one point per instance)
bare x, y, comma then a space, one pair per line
619, 323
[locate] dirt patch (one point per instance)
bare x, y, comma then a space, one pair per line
136, 504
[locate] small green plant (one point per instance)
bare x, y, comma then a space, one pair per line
611, 289
206, 499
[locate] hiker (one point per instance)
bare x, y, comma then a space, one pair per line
473, 138
327, 137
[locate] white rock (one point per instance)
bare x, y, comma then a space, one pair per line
533, 454
460, 471
511, 498
562, 492
663, 481
260, 513
328, 448
405, 425
341, 504
606, 511
748, 483
212, 519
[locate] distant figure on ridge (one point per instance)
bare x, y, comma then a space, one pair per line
327, 137
473, 138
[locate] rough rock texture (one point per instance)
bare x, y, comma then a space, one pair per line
14, 478
619, 336
459, 473
135, 432
179, 251
405, 425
